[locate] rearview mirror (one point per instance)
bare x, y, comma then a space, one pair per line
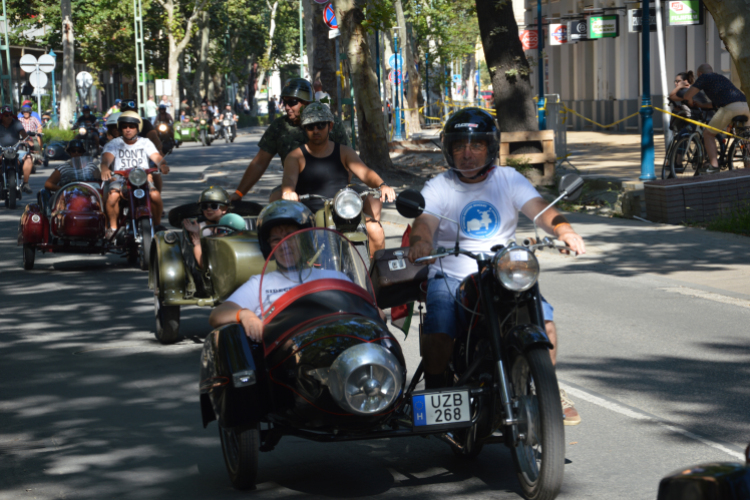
410, 203
571, 185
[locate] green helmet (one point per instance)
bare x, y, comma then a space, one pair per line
299, 88
214, 194
316, 112
234, 221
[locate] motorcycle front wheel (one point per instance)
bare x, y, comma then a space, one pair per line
167, 317
11, 186
204, 139
539, 453
144, 252
29, 253
240, 448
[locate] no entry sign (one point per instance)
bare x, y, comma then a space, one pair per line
395, 76
558, 34
329, 17
529, 39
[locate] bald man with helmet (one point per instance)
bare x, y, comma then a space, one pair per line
127, 152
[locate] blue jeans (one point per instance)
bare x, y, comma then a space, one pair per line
445, 315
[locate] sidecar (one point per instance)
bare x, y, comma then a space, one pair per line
70, 221
229, 258
185, 132
712, 481
55, 151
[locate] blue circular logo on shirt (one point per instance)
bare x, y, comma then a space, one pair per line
480, 219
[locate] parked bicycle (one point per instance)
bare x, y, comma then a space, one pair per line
686, 156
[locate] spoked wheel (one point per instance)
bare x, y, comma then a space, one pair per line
539, 451
687, 157
240, 448
10, 201
739, 154
29, 253
167, 317
144, 252
469, 439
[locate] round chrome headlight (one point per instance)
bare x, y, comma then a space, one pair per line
162, 128
516, 268
82, 131
203, 122
365, 379
347, 204
138, 177
10, 153
226, 123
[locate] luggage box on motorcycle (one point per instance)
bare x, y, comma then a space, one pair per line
397, 281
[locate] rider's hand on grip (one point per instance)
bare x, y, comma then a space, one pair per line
573, 242
106, 174
420, 249
291, 196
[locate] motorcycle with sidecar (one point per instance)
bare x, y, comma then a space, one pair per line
185, 131
329, 370
229, 258
73, 220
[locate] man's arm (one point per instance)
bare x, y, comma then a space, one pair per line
354, 164
420, 239
554, 223
690, 94
107, 159
156, 158
52, 180
253, 173
153, 136
227, 314
292, 168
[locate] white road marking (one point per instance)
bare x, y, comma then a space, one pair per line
692, 292
637, 415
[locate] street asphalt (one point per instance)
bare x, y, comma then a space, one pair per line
653, 350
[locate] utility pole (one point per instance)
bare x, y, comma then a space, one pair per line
647, 120
301, 46
68, 97
140, 58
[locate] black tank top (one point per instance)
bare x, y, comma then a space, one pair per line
323, 176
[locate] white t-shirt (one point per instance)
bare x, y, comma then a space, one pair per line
275, 284
486, 211
129, 156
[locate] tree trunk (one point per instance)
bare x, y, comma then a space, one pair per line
269, 48
373, 142
307, 22
324, 57
411, 111
508, 66
202, 66
68, 97
469, 76
732, 17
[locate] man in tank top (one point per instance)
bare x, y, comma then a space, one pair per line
323, 167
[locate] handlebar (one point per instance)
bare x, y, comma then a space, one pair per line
441, 252
366, 192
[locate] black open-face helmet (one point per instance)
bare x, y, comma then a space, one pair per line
281, 212
299, 88
473, 125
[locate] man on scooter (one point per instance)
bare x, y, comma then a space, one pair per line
10, 132
324, 167
485, 199
125, 153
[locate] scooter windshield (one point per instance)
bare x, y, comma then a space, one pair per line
308, 256
81, 161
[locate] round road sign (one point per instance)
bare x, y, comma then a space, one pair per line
28, 63
37, 79
46, 63
329, 17
395, 76
84, 80
393, 60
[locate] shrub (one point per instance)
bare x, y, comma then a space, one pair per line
57, 134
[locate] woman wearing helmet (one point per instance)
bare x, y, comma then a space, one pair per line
275, 222
125, 153
74, 170
485, 199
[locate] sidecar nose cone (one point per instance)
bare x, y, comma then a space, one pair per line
372, 387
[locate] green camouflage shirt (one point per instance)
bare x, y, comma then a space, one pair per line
283, 137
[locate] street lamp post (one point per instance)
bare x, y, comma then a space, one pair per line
540, 63
301, 47
397, 94
54, 90
647, 121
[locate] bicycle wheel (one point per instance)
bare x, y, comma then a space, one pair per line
687, 157
666, 169
738, 155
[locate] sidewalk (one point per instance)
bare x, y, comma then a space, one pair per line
612, 156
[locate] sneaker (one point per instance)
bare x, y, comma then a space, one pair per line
109, 233
570, 414
26, 188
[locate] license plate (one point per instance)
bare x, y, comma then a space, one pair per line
441, 408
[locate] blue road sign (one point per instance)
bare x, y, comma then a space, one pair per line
392, 61
329, 17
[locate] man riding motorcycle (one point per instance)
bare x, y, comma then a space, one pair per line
278, 220
146, 130
31, 124
485, 199
228, 114
88, 119
11, 131
205, 114
324, 167
125, 153
285, 134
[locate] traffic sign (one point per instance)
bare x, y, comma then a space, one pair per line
558, 34
395, 76
46, 63
28, 63
392, 61
38, 79
529, 39
84, 80
329, 17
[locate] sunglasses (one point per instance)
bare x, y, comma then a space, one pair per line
316, 126
128, 125
7, 114
212, 206
291, 102
127, 104
77, 150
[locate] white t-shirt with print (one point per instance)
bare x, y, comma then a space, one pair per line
275, 284
129, 156
486, 211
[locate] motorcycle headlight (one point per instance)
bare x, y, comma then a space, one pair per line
82, 131
516, 268
50, 152
138, 177
365, 379
162, 128
203, 122
10, 153
226, 123
347, 204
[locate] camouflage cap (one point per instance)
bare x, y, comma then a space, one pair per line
316, 112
